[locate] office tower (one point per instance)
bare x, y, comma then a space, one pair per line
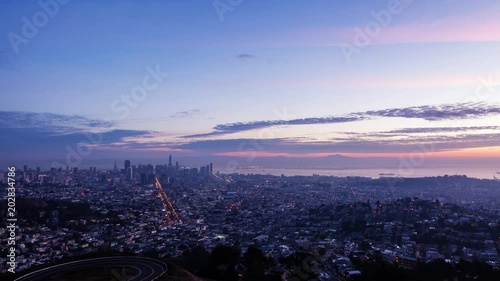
128, 170
151, 179
150, 169
177, 165
211, 169
158, 169
170, 161
25, 168
115, 168
38, 170
127, 165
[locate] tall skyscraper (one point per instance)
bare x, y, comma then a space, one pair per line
170, 161
115, 168
211, 169
132, 169
144, 179
127, 165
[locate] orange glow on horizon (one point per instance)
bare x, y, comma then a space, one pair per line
484, 152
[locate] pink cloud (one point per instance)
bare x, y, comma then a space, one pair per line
370, 82
442, 31
474, 28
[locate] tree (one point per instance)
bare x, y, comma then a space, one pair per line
301, 265
256, 264
226, 254
225, 259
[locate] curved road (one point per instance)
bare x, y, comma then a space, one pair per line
149, 269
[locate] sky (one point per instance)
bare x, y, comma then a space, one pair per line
254, 79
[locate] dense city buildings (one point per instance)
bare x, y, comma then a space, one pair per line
70, 212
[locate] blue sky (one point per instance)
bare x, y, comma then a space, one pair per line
277, 64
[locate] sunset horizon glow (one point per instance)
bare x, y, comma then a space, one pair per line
385, 79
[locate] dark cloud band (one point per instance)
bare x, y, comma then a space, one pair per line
429, 113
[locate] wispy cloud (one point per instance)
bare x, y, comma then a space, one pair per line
185, 113
37, 133
355, 144
41, 141
439, 112
244, 57
223, 129
428, 112
56, 123
441, 130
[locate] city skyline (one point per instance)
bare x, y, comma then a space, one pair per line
255, 81
250, 140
